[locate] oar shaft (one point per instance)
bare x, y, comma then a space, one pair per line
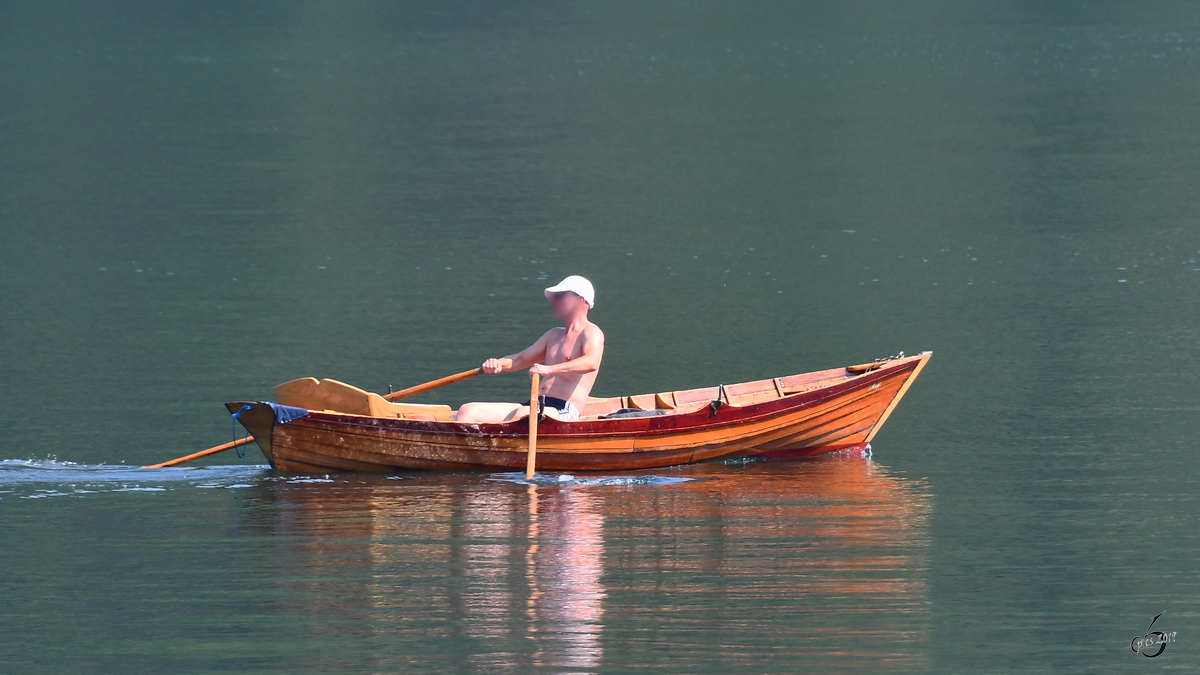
202, 453
429, 386
534, 395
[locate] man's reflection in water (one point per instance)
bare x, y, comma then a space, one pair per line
564, 567
557, 597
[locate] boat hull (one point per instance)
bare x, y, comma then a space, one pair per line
844, 413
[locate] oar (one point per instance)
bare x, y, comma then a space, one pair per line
202, 453
403, 393
430, 386
534, 395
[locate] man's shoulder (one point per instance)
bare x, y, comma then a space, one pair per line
593, 330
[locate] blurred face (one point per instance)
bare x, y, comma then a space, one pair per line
566, 304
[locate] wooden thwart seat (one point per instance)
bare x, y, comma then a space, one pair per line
752, 392
689, 400
601, 406
640, 402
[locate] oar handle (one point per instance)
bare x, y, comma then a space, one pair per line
534, 395
429, 386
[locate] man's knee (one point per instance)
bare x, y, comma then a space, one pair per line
486, 412
517, 412
469, 412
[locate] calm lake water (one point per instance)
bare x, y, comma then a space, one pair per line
201, 200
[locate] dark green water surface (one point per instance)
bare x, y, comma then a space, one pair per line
201, 200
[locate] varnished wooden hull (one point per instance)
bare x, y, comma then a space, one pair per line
839, 410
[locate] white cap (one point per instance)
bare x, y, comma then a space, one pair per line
577, 285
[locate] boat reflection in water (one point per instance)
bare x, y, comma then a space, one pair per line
741, 568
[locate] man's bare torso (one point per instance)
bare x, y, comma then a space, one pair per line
565, 345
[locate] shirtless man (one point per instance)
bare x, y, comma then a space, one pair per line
567, 358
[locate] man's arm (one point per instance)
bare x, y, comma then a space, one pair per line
588, 362
522, 359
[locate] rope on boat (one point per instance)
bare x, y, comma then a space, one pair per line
233, 420
874, 365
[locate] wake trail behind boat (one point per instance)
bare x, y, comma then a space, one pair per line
38, 479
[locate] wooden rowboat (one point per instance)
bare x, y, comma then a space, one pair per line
323, 426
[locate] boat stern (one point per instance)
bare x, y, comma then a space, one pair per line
259, 419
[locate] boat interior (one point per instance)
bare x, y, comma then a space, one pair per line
338, 397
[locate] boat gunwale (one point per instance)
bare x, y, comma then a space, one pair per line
651, 425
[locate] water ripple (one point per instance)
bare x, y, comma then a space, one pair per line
570, 480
